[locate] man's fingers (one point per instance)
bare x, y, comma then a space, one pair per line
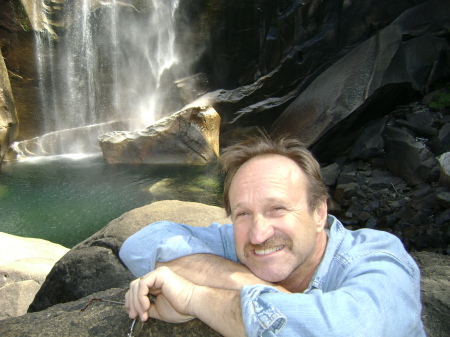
136, 301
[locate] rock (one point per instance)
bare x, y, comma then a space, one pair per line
435, 286
100, 319
441, 143
201, 189
368, 81
190, 136
370, 142
93, 265
444, 161
24, 265
408, 158
330, 174
9, 122
66, 141
16, 297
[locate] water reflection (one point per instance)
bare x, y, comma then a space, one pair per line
65, 199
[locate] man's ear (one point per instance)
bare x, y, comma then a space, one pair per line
321, 215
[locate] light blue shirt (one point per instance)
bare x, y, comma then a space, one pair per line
366, 285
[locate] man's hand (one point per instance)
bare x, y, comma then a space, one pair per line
179, 300
173, 297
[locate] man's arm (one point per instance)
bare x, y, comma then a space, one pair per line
214, 271
165, 241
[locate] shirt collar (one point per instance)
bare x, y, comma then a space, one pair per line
335, 233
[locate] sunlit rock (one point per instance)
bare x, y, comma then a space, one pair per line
190, 136
24, 265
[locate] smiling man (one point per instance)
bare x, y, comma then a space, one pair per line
283, 268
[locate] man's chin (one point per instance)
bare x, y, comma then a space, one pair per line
269, 277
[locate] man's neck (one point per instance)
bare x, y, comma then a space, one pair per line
300, 278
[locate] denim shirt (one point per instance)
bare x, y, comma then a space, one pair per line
366, 284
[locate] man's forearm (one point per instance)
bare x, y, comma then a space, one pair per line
220, 309
213, 271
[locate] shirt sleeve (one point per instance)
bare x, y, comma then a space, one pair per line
165, 241
377, 297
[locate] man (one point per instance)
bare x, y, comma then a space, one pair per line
284, 268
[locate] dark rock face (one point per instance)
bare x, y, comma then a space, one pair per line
384, 71
390, 179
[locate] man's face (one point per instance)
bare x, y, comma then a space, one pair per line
275, 233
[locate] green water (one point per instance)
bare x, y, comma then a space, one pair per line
65, 199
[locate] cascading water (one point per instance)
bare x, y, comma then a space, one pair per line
101, 64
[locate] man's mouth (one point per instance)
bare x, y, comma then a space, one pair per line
268, 250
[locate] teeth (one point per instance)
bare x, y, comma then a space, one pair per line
267, 251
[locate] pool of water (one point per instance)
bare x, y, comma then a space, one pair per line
65, 199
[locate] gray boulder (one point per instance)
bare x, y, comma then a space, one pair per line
93, 265
190, 136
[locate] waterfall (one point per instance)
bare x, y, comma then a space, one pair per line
100, 62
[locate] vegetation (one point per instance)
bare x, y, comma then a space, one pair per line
20, 14
442, 99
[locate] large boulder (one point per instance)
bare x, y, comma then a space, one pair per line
93, 265
392, 66
190, 136
24, 265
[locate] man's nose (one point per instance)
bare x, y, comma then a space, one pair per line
261, 230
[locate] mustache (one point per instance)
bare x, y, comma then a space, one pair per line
273, 241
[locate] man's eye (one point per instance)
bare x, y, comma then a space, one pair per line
278, 209
241, 214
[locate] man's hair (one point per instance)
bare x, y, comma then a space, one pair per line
233, 157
